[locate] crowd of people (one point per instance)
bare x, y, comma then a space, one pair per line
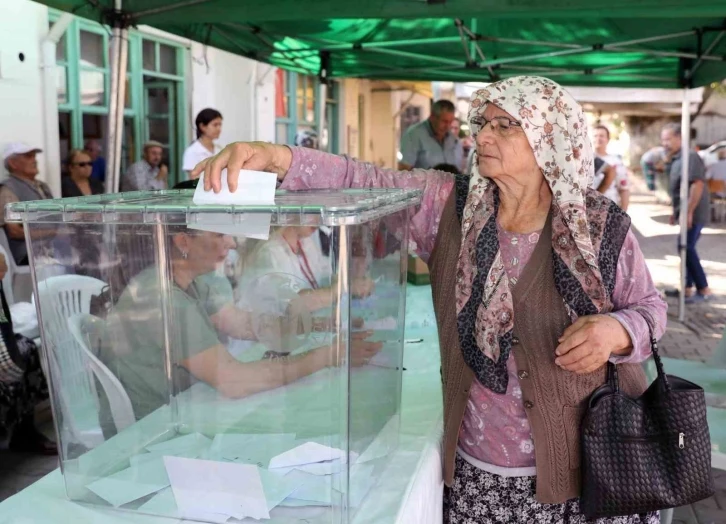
438, 143
490, 221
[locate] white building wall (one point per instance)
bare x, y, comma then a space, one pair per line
23, 24
242, 90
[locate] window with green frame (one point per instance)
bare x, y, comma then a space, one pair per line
155, 104
297, 109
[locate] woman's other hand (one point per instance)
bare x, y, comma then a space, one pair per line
256, 156
3, 266
587, 344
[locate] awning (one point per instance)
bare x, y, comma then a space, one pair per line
643, 43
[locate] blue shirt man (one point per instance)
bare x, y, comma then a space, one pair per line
430, 143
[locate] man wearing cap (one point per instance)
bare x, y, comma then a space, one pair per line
147, 173
21, 186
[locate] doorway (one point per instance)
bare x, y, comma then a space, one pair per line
160, 121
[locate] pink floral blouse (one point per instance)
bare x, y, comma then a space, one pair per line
495, 429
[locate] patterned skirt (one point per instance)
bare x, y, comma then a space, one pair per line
479, 497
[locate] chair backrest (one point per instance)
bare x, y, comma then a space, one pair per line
14, 270
61, 297
4, 241
122, 412
8, 278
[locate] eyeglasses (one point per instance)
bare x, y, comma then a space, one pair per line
83, 164
501, 125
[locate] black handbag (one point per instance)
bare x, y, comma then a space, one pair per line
648, 453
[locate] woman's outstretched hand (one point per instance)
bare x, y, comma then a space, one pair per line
255, 156
589, 343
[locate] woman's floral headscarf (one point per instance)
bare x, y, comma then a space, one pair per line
555, 126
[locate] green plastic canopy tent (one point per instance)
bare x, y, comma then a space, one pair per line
631, 43
617, 43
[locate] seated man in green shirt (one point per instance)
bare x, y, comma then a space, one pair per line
176, 313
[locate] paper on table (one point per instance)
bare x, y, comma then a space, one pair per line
318, 491
162, 503
319, 468
278, 486
307, 453
291, 502
217, 487
131, 483
185, 445
191, 453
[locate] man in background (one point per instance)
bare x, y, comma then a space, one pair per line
21, 186
148, 173
718, 170
98, 163
431, 142
619, 190
698, 208
653, 165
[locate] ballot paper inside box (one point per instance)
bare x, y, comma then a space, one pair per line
226, 359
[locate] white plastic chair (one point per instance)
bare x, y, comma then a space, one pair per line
8, 278
60, 298
16, 274
122, 411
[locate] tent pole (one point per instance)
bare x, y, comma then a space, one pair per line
683, 217
119, 59
323, 79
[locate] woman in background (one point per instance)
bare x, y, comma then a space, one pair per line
209, 126
78, 182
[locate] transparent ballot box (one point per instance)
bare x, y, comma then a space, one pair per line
223, 363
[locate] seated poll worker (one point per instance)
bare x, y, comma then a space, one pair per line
297, 251
198, 309
537, 281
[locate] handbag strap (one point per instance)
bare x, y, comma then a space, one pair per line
612, 377
659, 364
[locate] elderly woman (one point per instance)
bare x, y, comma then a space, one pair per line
537, 282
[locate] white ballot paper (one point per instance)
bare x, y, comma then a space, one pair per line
318, 468
217, 487
253, 188
308, 453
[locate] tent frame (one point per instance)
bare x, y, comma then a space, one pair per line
565, 49
475, 61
